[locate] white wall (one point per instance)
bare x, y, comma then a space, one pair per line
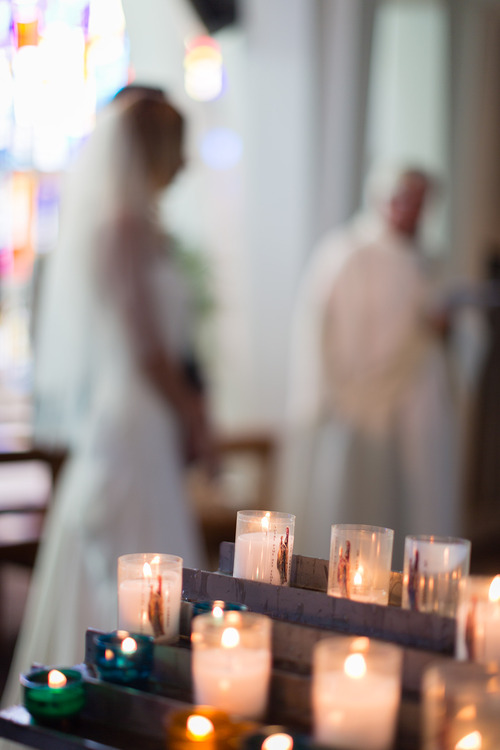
409, 97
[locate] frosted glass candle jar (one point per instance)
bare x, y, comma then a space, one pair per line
360, 562
356, 690
478, 619
264, 546
461, 706
433, 569
231, 662
149, 594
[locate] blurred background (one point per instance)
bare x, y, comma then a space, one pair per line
290, 104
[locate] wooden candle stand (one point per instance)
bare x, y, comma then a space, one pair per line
125, 718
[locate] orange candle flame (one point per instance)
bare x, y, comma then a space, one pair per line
472, 741
494, 592
129, 645
278, 741
56, 679
199, 727
355, 666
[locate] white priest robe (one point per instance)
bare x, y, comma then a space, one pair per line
371, 434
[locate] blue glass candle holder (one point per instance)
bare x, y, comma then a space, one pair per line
124, 658
201, 608
49, 699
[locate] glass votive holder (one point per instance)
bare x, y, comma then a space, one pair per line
149, 594
356, 690
433, 569
264, 546
124, 658
461, 706
231, 662
478, 619
203, 727
51, 695
360, 562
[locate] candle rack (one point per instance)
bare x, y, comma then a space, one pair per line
305, 602
118, 717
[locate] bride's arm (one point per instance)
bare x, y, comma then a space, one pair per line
127, 258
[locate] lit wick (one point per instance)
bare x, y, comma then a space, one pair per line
56, 679
199, 727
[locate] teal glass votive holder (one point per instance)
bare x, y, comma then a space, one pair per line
201, 608
124, 658
53, 694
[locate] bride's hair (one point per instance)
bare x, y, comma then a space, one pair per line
156, 129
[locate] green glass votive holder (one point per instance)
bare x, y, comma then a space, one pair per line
124, 658
53, 694
201, 608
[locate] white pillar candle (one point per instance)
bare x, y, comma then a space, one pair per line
478, 619
433, 568
234, 680
460, 706
355, 694
149, 594
264, 546
231, 662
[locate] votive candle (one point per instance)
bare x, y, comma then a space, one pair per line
264, 546
360, 562
149, 594
355, 693
53, 694
124, 657
478, 619
231, 662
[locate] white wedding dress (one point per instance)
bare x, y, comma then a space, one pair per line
122, 489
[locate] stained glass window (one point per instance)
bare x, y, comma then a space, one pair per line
60, 61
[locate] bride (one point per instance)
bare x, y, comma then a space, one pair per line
112, 383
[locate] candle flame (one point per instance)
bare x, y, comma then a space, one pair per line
279, 741
217, 611
494, 593
146, 570
230, 638
472, 741
358, 576
265, 521
355, 666
109, 654
198, 727
129, 645
56, 679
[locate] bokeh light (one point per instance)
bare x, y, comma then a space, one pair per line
221, 148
